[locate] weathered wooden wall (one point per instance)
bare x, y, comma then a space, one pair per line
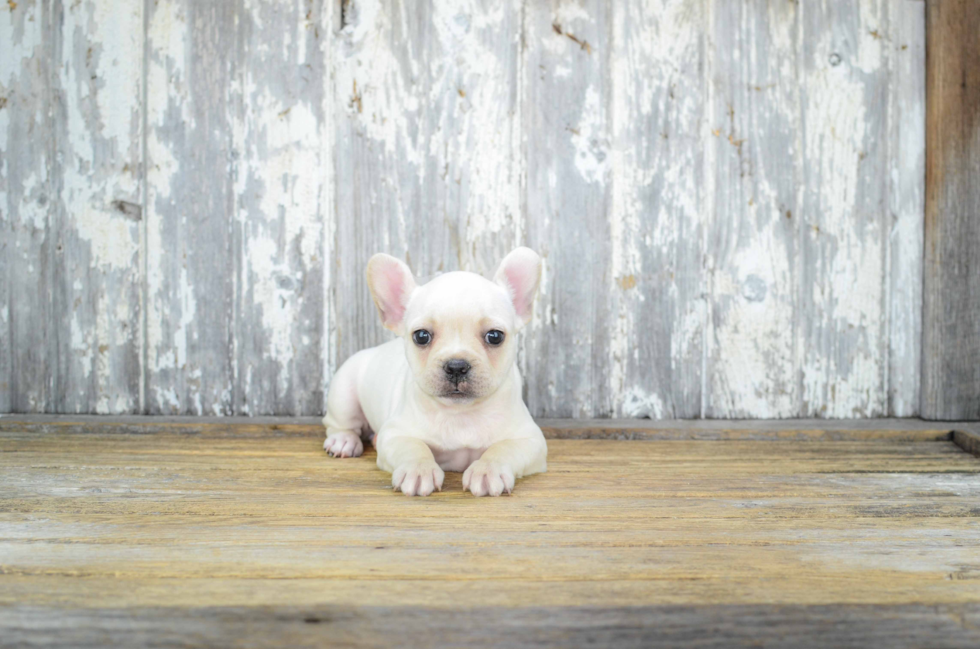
728, 195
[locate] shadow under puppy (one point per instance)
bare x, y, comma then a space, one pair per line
446, 394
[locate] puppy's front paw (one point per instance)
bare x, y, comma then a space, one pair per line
344, 444
485, 478
418, 479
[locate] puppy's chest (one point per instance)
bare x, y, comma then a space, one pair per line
456, 459
457, 442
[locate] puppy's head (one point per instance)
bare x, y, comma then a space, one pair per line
459, 329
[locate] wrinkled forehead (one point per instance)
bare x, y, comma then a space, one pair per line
461, 297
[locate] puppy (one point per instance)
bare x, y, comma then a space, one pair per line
446, 394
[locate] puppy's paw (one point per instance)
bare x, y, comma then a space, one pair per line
344, 444
418, 479
485, 478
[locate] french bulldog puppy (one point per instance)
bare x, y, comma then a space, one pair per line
446, 394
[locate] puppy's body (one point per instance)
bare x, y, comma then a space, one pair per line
448, 400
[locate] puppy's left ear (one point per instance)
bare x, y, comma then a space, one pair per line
520, 274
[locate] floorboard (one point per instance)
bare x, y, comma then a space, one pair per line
253, 537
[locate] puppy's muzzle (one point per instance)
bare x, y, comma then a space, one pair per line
456, 370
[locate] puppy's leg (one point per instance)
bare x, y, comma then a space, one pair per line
344, 420
410, 461
503, 462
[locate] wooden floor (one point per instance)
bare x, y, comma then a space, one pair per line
251, 536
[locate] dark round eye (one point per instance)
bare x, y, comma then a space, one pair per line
494, 337
422, 337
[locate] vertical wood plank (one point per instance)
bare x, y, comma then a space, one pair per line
843, 234
97, 208
568, 131
951, 299
427, 145
191, 240
282, 189
656, 314
26, 161
906, 174
751, 368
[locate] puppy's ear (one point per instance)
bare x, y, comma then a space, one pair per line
520, 274
391, 284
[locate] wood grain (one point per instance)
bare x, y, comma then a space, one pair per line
906, 52
238, 198
951, 310
899, 430
27, 245
653, 288
713, 627
844, 85
752, 247
193, 61
283, 205
100, 529
567, 98
96, 208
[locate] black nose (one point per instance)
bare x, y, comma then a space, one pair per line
456, 369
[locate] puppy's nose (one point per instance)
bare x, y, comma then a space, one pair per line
456, 369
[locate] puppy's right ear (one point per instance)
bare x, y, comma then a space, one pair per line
391, 284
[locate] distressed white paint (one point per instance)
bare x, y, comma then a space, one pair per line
750, 243
656, 209
727, 196
904, 221
279, 179
844, 114
24, 195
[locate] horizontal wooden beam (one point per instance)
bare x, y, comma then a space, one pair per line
968, 439
743, 625
899, 430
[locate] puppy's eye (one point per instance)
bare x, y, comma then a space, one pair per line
494, 337
422, 337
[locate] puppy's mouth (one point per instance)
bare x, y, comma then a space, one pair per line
457, 391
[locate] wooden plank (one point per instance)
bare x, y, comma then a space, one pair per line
567, 93
96, 207
951, 303
652, 300
843, 248
906, 52
95, 522
427, 141
26, 185
305, 625
798, 429
752, 245
897, 430
968, 438
191, 247
282, 205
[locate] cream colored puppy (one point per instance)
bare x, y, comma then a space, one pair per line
446, 394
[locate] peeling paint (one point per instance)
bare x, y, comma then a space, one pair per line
727, 197
844, 367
